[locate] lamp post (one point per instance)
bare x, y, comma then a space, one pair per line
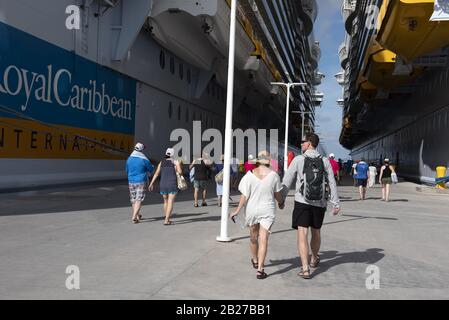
223, 237
287, 111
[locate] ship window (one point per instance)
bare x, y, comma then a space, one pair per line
170, 110
162, 59
172, 65
188, 76
181, 71
179, 112
187, 114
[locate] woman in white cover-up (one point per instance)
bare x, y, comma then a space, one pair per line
260, 188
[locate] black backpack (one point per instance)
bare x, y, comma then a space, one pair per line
314, 185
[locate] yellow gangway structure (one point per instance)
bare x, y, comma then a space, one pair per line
407, 31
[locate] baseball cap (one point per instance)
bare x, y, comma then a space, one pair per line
170, 152
331, 155
139, 146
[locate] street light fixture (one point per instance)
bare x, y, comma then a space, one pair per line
288, 85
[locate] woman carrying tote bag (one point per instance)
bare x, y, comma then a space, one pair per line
170, 170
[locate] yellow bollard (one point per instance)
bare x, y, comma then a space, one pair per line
441, 172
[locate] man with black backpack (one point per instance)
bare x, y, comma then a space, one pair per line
314, 181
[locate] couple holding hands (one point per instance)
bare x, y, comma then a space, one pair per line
261, 187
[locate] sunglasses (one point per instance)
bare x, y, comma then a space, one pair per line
304, 141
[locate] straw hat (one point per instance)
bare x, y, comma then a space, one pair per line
263, 157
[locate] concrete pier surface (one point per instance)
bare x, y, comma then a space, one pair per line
42, 232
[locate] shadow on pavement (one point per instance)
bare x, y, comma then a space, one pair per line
349, 199
91, 196
356, 217
382, 218
331, 259
173, 216
203, 219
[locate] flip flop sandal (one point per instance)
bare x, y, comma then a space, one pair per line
305, 274
255, 264
317, 262
261, 274
168, 223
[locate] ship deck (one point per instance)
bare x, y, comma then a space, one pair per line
90, 227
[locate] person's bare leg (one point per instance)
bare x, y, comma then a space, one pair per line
195, 196
263, 244
165, 197
315, 244
253, 241
170, 202
387, 192
303, 247
361, 192
219, 200
204, 194
364, 193
383, 192
136, 209
133, 204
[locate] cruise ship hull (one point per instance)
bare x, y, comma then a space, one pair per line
413, 132
74, 102
395, 87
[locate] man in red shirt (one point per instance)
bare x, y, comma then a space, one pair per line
335, 166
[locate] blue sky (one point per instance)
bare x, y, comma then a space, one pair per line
329, 31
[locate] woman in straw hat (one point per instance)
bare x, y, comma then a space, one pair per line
260, 188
